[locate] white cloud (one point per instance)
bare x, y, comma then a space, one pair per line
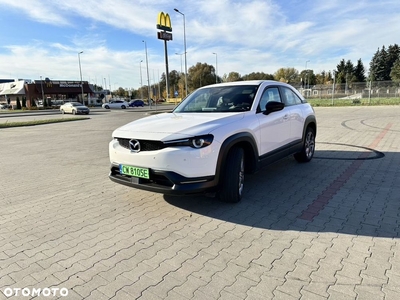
248, 36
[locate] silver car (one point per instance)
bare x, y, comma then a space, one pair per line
116, 104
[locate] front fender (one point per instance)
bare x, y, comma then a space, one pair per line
310, 121
248, 143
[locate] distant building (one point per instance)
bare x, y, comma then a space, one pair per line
48, 89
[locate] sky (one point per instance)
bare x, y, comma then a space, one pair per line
42, 38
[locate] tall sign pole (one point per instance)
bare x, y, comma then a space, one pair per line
164, 24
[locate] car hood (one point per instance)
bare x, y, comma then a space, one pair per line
170, 126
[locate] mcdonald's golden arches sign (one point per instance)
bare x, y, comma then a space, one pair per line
164, 22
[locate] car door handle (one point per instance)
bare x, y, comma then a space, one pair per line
285, 117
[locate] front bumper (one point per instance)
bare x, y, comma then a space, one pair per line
166, 182
82, 112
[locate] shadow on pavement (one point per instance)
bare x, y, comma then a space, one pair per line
336, 192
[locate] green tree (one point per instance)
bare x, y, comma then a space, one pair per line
288, 75
395, 73
200, 75
258, 76
233, 76
345, 72
393, 54
18, 104
323, 78
359, 71
121, 92
175, 82
378, 66
306, 77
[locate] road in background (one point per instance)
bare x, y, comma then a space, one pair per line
328, 229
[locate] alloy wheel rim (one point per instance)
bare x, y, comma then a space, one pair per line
241, 176
310, 145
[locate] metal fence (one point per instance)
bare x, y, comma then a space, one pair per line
353, 90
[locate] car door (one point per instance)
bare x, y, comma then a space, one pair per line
274, 128
294, 111
68, 108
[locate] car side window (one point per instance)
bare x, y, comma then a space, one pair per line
270, 94
290, 98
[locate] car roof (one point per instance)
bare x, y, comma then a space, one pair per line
246, 82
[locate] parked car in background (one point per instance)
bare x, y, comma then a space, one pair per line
4, 106
74, 108
136, 103
122, 104
213, 138
56, 103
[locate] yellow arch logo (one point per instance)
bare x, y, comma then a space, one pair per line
164, 22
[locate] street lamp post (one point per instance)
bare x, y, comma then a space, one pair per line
216, 67
141, 82
180, 54
333, 86
41, 85
105, 86
306, 81
80, 71
184, 41
147, 66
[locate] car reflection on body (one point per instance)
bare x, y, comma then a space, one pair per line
136, 103
74, 108
115, 104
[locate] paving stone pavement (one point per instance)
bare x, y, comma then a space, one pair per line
328, 229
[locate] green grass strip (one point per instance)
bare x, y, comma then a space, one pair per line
39, 122
354, 102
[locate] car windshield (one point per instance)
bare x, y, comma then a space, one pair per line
219, 99
76, 104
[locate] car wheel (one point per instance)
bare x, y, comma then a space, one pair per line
106, 107
123, 106
74, 112
62, 111
233, 177
307, 152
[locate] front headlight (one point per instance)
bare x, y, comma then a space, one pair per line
194, 142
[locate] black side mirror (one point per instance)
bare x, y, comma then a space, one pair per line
273, 106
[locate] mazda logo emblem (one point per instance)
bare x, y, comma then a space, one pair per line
134, 145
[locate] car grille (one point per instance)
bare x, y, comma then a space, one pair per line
145, 145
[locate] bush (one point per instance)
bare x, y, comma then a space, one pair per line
18, 104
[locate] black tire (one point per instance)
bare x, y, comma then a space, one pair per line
232, 177
106, 107
307, 152
74, 112
123, 106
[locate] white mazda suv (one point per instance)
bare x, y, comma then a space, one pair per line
213, 138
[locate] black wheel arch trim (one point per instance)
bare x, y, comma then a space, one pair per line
310, 121
247, 141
